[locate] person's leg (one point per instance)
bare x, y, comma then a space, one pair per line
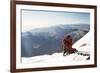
64, 53
73, 50
67, 53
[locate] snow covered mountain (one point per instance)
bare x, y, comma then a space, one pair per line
82, 45
48, 41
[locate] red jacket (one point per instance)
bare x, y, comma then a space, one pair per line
67, 43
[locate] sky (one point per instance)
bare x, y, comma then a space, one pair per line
32, 19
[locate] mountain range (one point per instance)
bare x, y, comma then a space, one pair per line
48, 40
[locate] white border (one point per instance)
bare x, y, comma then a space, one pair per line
19, 65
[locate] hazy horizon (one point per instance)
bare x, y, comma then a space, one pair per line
32, 19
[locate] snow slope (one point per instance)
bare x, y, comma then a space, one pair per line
82, 45
56, 57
